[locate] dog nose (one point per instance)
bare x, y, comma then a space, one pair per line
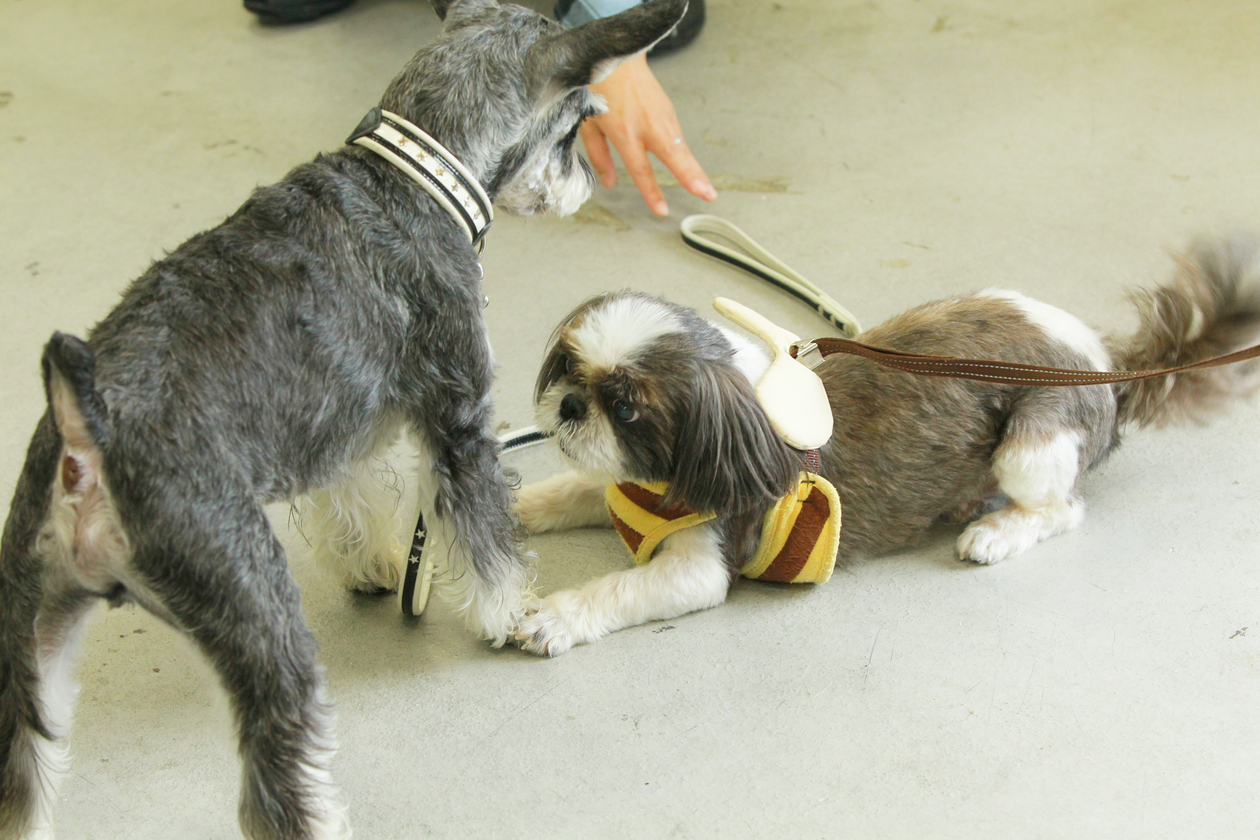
572, 407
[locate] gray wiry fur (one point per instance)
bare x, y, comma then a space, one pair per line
264, 359
906, 452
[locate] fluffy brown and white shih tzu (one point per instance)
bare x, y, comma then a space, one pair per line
635, 388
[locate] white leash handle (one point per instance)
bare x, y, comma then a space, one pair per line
722, 240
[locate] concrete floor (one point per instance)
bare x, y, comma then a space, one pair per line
1101, 686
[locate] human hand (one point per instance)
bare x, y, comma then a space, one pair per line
641, 119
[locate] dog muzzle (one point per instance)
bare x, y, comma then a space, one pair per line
428, 163
799, 535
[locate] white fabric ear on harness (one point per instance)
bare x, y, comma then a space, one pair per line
718, 238
792, 395
432, 166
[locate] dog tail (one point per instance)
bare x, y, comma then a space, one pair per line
1211, 307
62, 473
70, 384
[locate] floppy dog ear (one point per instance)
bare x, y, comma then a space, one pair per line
554, 366
727, 456
588, 53
556, 362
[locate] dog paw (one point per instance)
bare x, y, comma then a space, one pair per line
1012, 530
491, 611
982, 544
997, 537
536, 510
551, 629
378, 575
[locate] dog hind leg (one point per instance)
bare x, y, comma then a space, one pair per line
61, 548
37, 747
35, 656
59, 636
229, 587
1037, 471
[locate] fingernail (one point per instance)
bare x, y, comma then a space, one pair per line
660, 208
704, 189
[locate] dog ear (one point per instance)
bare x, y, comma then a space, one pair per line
556, 362
727, 456
588, 53
443, 7
554, 366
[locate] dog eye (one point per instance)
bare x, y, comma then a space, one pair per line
625, 412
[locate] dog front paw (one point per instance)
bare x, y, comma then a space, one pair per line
380, 574
494, 613
553, 627
567, 500
536, 507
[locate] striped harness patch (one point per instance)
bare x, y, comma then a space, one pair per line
799, 536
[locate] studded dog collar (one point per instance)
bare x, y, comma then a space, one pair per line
429, 164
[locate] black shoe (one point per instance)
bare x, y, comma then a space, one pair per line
294, 11
682, 34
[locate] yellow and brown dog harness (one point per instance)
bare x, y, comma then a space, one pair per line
799, 535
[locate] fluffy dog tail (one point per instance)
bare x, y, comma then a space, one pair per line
1211, 307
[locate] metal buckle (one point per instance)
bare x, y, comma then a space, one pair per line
807, 353
367, 125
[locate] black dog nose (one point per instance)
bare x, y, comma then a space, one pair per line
572, 407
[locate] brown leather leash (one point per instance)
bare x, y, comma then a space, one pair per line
811, 353
718, 238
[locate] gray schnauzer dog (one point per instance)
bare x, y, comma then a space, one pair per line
271, 357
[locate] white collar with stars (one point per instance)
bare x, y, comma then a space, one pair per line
429, 164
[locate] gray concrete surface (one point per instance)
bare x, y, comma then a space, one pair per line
1102, 686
